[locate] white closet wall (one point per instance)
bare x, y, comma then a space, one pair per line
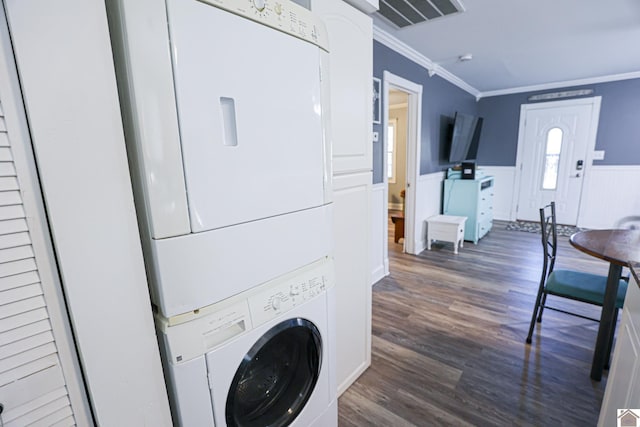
39, 376
64, 60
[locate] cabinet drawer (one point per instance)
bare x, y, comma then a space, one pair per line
485, 214
485, 200
484, 227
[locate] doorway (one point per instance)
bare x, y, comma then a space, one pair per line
401, 94
396, 159
555, 149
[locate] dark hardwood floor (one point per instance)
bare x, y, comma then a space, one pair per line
449, 341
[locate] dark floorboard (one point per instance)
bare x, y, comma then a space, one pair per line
448, 345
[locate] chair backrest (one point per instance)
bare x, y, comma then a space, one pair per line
549, 237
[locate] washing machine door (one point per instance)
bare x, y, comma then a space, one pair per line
276, 377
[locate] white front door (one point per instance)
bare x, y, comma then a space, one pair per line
555, 146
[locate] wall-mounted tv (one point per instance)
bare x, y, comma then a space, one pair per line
465, 137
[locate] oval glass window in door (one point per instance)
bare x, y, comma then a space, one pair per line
276, 377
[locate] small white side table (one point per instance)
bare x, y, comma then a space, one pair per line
446, 228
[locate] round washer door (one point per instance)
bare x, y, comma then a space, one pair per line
276, 377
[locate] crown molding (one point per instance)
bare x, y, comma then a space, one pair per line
405, 50
564, 84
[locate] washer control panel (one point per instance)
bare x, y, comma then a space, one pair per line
282, 15
291, 292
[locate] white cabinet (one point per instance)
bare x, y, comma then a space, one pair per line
351, 208
350, 79
623, 383
350, 74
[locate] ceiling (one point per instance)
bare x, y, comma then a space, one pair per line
522, 45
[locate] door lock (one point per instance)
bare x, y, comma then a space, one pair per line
579, 165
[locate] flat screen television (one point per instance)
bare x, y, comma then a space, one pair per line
465, 137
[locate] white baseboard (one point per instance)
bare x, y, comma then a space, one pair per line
378, 274
342, 387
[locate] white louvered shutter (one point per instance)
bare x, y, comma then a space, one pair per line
32, 384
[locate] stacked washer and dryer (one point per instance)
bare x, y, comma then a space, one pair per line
226, 120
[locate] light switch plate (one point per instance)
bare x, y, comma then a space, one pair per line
598, 155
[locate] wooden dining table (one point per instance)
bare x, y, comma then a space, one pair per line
618, 247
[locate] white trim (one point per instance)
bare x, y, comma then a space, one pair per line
394, 153
617, 168
405, 50
434, 176
414, 129
595, 102
568, 83
382, 36
394, 206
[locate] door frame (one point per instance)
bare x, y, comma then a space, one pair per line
595, 102
414, 129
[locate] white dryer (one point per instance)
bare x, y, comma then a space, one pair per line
262, 358
224, 107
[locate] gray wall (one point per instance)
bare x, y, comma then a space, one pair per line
440, 101
618, 130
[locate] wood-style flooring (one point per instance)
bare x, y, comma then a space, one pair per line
448, 345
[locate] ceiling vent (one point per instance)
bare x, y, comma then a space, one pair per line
403, 13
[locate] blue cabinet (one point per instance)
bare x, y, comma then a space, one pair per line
472, 198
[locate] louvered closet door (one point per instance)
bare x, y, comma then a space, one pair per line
32, 386
39, 378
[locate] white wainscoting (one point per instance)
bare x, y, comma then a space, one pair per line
503, 192
429, 203
610, 194
379, 233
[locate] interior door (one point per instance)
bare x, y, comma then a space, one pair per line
556, 139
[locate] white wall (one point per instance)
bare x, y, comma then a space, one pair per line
64, 60
610, 194
379, 233
503, 190
429, 203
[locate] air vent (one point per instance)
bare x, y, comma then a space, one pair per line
403, 13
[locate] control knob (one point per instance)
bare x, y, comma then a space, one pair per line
260, 4
275, 303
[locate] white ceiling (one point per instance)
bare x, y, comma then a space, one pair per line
518, 44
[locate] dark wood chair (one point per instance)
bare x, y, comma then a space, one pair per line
575, 285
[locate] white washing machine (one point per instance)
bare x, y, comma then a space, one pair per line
224, 108
262, 358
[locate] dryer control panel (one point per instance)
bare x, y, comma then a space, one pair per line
282, 15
